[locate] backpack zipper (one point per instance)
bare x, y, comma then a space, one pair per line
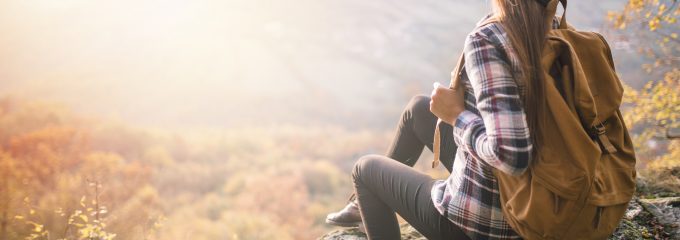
556, 207
598, 215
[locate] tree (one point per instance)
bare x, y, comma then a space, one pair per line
652, 113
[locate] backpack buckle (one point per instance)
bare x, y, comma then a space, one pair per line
599, 128
600, 135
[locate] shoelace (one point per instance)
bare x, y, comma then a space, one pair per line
352, 197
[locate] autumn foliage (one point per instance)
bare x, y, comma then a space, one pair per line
653, 112
63, 176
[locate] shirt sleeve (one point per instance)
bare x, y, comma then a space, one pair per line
498, 136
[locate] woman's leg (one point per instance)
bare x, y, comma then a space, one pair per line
416, 130
384, 187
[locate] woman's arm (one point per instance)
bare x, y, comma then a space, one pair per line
500, 137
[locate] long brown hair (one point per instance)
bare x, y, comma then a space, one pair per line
525, 24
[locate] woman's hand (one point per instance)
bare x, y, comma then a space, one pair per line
448, 103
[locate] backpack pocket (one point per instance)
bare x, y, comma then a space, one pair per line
543, 208
610, 193
599, 221
612, 186
606, 204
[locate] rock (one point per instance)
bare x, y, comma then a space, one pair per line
345, 234
666, 210
634, 209
653, 213
638, 223
410, 233
407, 232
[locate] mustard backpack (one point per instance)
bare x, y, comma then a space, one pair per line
579, 185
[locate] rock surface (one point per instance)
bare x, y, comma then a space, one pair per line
645, 219
407, 232
666, 210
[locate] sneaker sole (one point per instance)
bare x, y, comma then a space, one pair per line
343, 224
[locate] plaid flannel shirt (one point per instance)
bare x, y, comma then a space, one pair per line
491, 133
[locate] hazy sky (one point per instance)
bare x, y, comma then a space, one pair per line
223, 63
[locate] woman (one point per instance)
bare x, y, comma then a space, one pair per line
489, 116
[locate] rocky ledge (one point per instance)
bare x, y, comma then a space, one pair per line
652, 214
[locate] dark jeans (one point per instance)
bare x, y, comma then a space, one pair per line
387, 184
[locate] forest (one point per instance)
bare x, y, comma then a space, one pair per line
65, 176
69, 172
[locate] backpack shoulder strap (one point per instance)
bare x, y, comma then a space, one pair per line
552, 10
455, 82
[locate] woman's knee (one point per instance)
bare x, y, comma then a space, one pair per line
365, 166
418, 104
417, 110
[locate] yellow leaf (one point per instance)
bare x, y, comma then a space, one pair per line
82, 201
19, 217
38, 228
653, 25
674, 35
83, 217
